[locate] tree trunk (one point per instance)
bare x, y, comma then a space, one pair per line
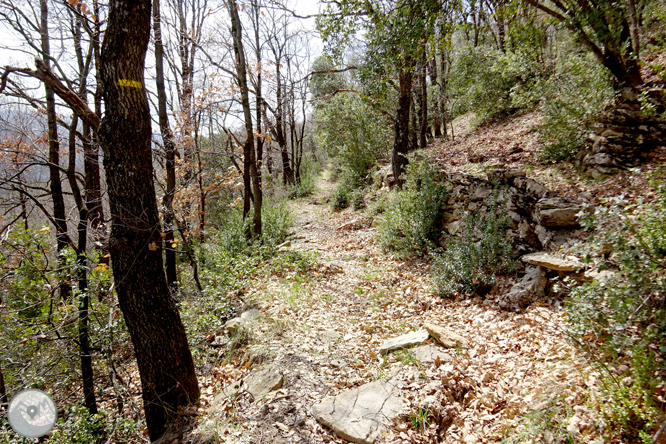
84, 303
3, 391
413, 124
90, 145
59, 213
401, 143
163, 356
441, 98
170, 152
434, 80
258, 111
422, 94
250, 154
287, 173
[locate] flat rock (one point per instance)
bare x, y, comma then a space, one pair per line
361, 414
530, 288
235, 324
251, 315
427, 354
445, 336
263, 381
558, 212
404, 341
552, 262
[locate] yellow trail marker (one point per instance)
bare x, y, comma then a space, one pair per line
130, 83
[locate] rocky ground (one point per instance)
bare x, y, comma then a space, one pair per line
315, 371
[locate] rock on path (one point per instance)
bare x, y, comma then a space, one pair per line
359, 415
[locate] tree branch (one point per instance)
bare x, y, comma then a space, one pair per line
364, 98
44, 74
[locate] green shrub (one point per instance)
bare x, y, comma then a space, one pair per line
470, 264
621, 317
309, 171
350, 191
411, 222
492, 83
575, 96
79, 427
276, 223
353, 134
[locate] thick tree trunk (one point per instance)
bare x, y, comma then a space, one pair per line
170, 152
163, 356
401, 143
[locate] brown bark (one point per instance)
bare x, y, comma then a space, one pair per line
87, 374
620, 57
59, 213
422, 100
170, 152
3, 391
164, 360
258, 111
248, 148
401, 142
287, 173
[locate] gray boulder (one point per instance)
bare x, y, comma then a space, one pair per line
361, 414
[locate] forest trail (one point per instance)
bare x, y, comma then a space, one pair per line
322, 331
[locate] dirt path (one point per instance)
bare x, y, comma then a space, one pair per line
324, 331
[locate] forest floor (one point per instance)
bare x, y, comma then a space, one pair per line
518, 380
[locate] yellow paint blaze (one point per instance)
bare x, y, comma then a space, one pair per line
130, 83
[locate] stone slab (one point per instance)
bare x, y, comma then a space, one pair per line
445, 336
263, 381
361, 414
403, 341
428, 354
552, 262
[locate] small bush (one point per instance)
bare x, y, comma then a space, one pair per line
621, 318
575, 96
276, 223
309, 171
411, 222
471, 263
350, 191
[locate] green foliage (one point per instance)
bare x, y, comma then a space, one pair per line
79, 427
470, 264
353, 134
492, 83
621, 317
350, 191
325, 83
575, 96
548, 423
411, 223
419, 418
229, 263
277, 220
310, 169
36, 325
